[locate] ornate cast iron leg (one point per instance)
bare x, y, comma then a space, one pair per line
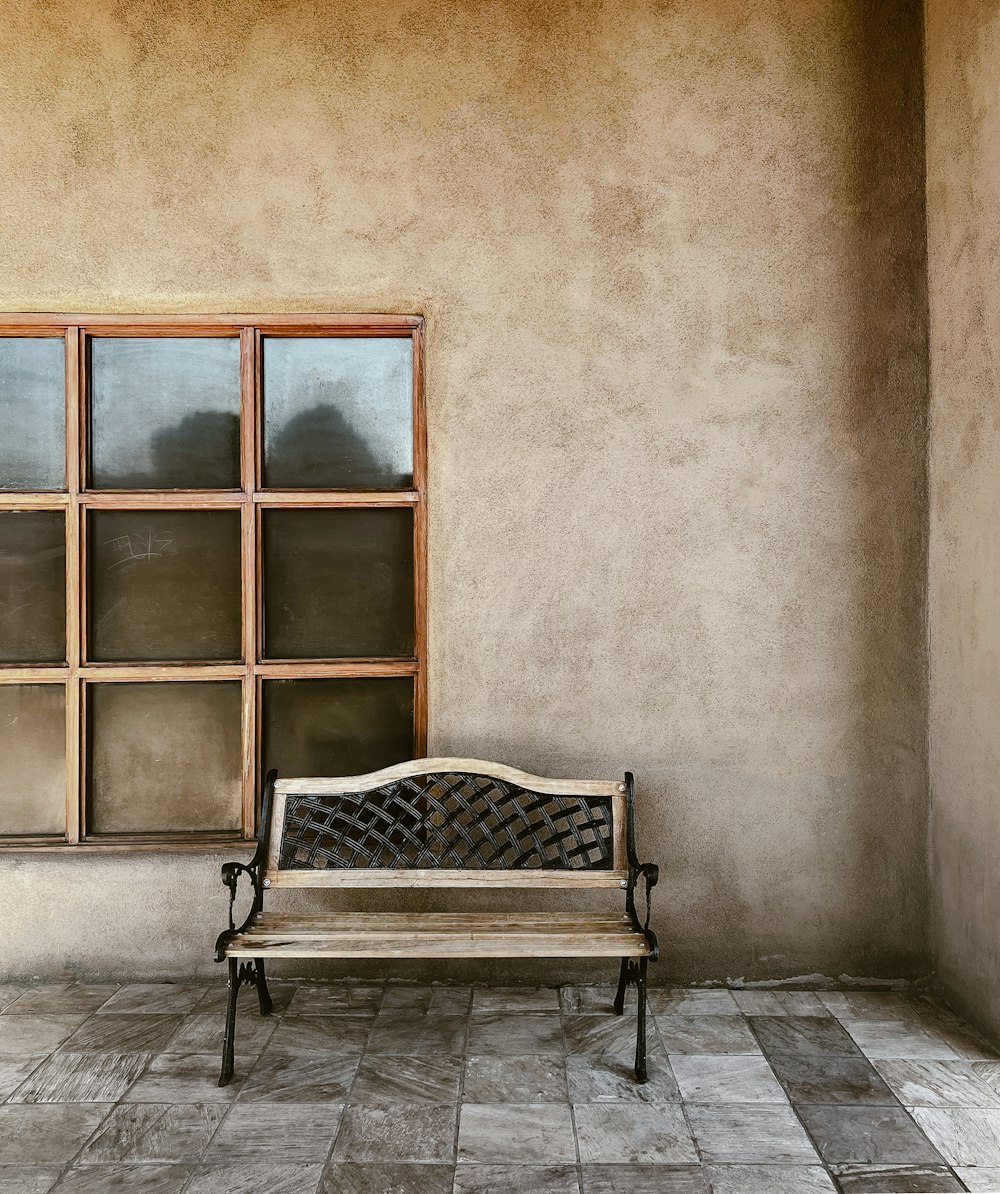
263, 994
228, 1041
640, 1036
622, 987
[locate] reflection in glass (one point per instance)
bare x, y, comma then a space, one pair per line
337, 727
33, 749
338, 413
164, 757
165, 413
164, 585
32, 586
338, 583
32, 413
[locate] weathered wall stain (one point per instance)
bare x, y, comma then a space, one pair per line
671, 259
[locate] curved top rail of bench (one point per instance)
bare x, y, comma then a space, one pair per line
535, 783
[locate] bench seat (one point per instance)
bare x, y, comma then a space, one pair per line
439, 935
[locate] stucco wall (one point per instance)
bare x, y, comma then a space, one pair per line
963, 187
672, 260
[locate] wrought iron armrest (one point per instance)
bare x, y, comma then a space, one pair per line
231, 872
648, 872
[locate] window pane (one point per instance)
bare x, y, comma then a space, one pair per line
164, 585
33, 749
338, 413
165, 414
32, 586
32, 413
338, 583
164, 757
337, 727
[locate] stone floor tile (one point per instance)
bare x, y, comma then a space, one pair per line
770, 1179
493, 1079
901, 1039
28, 1179
407, 998
165, 1132
450, 1001
276, 1132
826, 1078
937, 1083
644, 1179
335, 1001
341, 1035
693, 1002
255, 1177
725, 1078
867, 1136
125, 1034
82, 1078
750, 1135
61, 999
37, 1134
780, 1003
188, 1078
803, 1034
516, 1133
349, 1177
873, 1005
298, 1078
584, 1000
610, 1037
384, 1079
963, 1137
516, 1179
110, 1179
515, 999
706, 1034
635, 1134
986, 1180
153, 999
26, 1036
988, 1072
406, 1033
397, 1134
507, 1033
895, 1179
14, 1070
215, 999
9, 992
610, 1080
200, 1033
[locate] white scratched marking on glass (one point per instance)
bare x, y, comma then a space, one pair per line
148, 546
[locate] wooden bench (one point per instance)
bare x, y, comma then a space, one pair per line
442, 823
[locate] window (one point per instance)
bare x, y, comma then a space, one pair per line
212, 561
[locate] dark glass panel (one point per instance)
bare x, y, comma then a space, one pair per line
33, 749
338, 583
32, 413
337, 727
165, 413
164, 585
32, 586
164, 757
338, 413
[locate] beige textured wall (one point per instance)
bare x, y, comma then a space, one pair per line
672, 260
963, 188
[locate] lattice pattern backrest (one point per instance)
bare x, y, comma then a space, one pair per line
450, 821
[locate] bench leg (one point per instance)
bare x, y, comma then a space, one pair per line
622, 987
263, 994
640, 1035
228, 1042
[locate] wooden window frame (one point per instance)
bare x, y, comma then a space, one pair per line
250, 499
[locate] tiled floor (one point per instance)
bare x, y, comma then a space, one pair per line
420, 1090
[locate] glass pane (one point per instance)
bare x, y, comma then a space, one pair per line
164, 585
33, 749
338, 583
337, 727
338, 413
32, 586
165, 413
32, 413
164, 757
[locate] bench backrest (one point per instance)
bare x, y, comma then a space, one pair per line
445, 823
